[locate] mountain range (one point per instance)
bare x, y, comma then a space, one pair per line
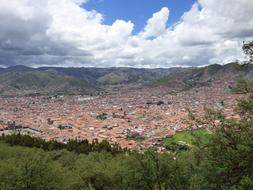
22, 80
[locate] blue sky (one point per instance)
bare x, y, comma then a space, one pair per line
138, 11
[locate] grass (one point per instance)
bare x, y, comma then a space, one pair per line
186, 138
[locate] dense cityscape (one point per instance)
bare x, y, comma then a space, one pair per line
136, 119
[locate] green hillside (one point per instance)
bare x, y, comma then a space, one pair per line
41, 82
196, 77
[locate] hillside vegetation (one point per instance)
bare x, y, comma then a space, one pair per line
41, 82
205, 76
21, 80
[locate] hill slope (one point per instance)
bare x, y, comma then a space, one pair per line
205, 76
112, 76
21, 80
41, 82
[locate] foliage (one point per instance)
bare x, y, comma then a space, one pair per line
243, 86
226, 159
248, 50
77, 146
24, 169
245, 107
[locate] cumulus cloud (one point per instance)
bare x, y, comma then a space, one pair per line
61, 33
156, 25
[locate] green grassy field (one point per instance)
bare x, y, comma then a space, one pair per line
184, 139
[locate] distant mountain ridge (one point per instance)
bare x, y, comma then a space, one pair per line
114, 75
22, 80
204, 76
41, 82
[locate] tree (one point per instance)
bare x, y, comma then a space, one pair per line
95, 172
36, 173
8, 175
152, 171
248, 50
26, 169
245, 107
225, 162
243, 86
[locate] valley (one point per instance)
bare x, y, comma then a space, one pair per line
135, 117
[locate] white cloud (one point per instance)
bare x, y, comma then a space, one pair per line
60, 32
156, 25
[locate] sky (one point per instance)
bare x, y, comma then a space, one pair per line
138, 11
123, 33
